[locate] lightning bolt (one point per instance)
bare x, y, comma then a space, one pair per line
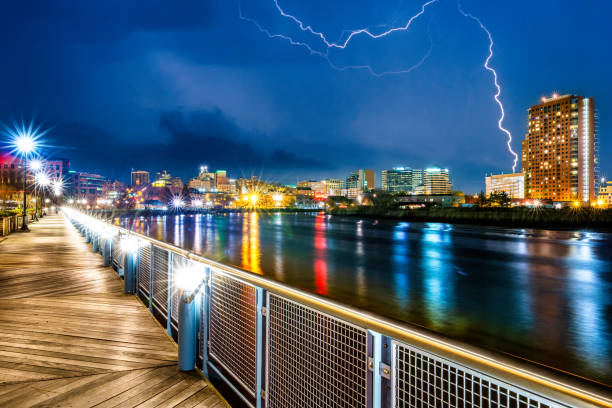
500, 122
353, 33
342, 44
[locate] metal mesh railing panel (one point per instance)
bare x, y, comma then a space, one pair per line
314, 359
424, 380
160, 278
232, 328
144, 267
116, 252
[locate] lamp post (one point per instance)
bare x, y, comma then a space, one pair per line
25, 140
36, 165
42, 180
25, 145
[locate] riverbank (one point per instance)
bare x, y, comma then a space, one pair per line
187, 211
565, 218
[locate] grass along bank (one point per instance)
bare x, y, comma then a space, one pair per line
565, 218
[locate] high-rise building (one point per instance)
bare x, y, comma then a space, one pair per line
436, 180
402, 179
559, 153
361, 179
333, 186
513, 184
221, 177
140, 178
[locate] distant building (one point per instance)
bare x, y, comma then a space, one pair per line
436, 180
402, 179
86, 186
112, 192
604, 198
11, 177
352, 193
176, 183
513, 184
140, 178
221, 178
361, 179
560, 152
423, 200
201, 185
314, 185
162, 179
333, 187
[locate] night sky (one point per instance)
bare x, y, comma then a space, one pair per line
175, 84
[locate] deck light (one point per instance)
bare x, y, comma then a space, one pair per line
189, 278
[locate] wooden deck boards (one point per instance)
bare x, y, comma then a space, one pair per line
69, 337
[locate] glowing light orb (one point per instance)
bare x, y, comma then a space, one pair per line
189, 278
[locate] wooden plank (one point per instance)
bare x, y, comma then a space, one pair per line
70, 337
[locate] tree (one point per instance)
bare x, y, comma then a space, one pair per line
383, 200
500, 198
482, 200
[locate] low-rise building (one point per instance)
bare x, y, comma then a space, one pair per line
604, 198
513, 184
86, 186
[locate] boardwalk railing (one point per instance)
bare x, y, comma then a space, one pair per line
277, 346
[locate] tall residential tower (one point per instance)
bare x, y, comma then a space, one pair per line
560, 150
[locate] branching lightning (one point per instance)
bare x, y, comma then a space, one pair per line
500, 122
347, 35
342, 44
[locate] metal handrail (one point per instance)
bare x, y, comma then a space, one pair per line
496, 365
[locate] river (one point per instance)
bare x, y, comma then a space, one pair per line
540, 294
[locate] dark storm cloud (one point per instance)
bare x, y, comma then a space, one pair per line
110, 73
77, 21
200, 137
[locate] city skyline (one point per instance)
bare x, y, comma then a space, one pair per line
157, 85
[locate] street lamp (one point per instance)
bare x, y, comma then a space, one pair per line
25, 145
25, 141
41, 180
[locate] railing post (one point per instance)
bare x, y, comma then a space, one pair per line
380, 370
169, 296
129, 276
94, 242
260, 392
187, 333
106, 251
151, 258
204, 316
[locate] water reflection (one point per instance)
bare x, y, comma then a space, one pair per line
250, 243
320, 261
544, 295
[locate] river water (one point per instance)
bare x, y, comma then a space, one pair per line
540, 294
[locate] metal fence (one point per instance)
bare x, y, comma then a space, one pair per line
277, 346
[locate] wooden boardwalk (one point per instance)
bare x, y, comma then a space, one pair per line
69, 337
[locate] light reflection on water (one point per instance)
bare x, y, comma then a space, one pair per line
544, 295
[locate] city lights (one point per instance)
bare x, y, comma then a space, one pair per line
42, 179
57, 187
35, 165
177, 202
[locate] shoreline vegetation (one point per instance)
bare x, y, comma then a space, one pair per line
515, 217
522, 217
